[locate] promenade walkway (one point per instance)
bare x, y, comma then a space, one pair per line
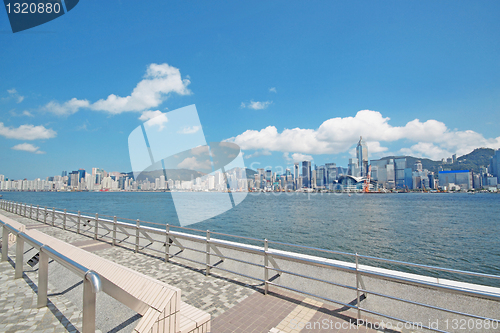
235, 303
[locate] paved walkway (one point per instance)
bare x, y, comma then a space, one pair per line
235, 303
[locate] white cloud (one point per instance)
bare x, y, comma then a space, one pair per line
159, 81
273, 89
297, 157
28, 114
29, 148
256, 105
337, 135
67, 108
190, 129
27, 132
154, 118
13, 93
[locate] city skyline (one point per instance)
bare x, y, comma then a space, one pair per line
388, 173
411, 79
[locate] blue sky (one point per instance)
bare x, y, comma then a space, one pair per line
286, 80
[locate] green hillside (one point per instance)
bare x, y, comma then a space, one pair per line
473, 161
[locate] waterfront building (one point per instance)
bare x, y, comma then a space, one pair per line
353, 167
306, 174
462, 178
362, 156
433, 182
400, 164
331, 173
321, 177
383, 172
495, 165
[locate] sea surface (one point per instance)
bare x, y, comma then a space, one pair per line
459, 231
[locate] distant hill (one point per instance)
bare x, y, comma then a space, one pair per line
473, 161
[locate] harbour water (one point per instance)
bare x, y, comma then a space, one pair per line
458, 231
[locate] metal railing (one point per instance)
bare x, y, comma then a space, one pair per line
91, 280
132, 232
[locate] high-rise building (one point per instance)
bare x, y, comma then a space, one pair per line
321, 177
331, 173
494, 168
400, 164
306, 174
362, 156
462, 178
353, 167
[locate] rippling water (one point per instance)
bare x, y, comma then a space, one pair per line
459, 231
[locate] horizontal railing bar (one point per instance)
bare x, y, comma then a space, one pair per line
234, 259
255, 250
236, 236
240, 274
312, 278
313, 262
425, 305
349, 305
313, 248
313, 295
450, 270
449, 289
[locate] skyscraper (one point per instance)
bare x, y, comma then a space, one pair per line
306, 174
353, 167
362, 156
495, 165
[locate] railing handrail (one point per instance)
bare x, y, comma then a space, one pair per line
354, 268
399, 262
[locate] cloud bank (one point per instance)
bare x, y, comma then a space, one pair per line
158, 83
336, 135
28, 147
27, 132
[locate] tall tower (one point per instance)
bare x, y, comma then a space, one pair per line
362, 155
306, 174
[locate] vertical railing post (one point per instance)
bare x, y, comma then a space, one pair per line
17, 208
45, 215
31, 211
358, 294
114, 230
266, 270
138, 224
78, 223
19, 257
53, 215
64, 219
167, 243
89, 298
37, 211
43, 278
25, 206
207, 270
5, 243
96, 228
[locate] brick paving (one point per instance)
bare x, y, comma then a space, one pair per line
235, 303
